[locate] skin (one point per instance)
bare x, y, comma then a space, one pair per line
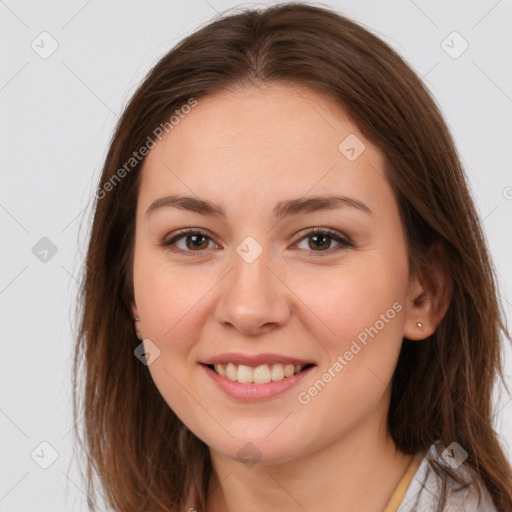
247, 150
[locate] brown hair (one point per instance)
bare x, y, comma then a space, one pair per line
145, 458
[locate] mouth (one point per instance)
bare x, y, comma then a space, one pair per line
261, 374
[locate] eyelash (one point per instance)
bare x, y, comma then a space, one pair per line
330, 233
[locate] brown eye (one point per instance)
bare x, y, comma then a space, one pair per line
321, 240
196, 242
188, 241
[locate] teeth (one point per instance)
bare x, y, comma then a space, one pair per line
231, 372
288, 370
277, 372
262, 374
245, 374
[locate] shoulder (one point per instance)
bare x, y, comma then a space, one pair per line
428, 485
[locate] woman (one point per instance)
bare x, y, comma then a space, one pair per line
288, 302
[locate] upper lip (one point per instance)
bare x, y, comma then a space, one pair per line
254, 359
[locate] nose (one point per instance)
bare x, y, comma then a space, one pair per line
253, 297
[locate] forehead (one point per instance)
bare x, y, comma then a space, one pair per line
263, 141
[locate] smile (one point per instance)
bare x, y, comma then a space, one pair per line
261, 374
251, 378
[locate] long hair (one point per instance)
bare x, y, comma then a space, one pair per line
142, 454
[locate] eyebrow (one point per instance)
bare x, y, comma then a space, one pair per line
282, 209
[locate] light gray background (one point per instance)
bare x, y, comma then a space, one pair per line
57, 116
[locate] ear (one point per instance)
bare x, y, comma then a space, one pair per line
136, 320
430, 293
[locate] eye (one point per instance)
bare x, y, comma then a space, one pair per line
196, 241
192, 240
320, 240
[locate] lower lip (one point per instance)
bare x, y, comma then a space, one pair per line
251, 391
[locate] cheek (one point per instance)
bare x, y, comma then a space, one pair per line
347, 300
362, 304
168, 297
169, 301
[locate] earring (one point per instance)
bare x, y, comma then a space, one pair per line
420, 325
136, 318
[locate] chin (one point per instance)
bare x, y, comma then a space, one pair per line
259, 451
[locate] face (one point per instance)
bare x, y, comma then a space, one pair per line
278, 322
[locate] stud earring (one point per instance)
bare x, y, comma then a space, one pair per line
136, 318
420, 325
